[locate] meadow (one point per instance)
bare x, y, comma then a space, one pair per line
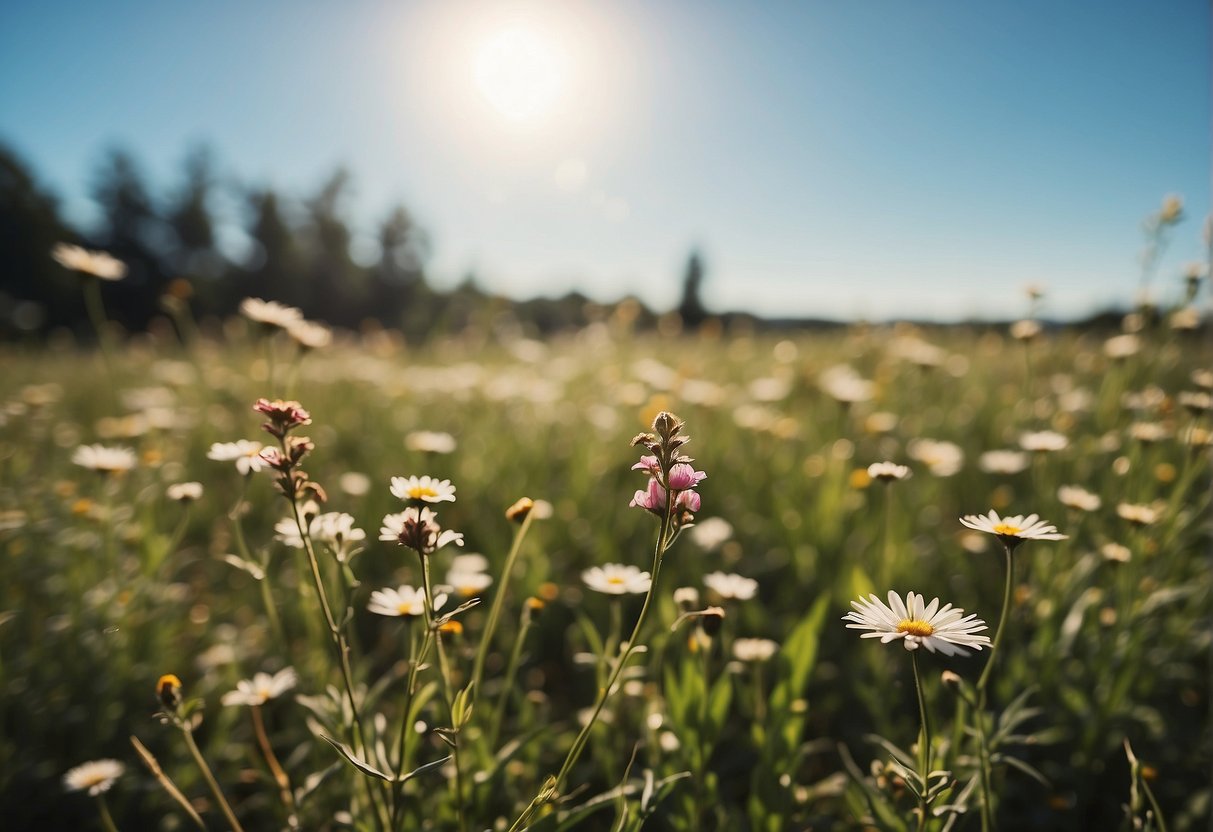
136, 612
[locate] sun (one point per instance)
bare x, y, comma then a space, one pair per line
520, 73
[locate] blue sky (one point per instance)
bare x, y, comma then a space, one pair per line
874, 158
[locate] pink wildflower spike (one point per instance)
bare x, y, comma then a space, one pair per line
648, 464
652, 499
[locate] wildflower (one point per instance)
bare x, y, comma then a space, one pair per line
245, 452
95, 776
1185, 319
686, 596
1074, 496
731, 587
616, 579
95, 263
711, 533
1203, 378
1116, 552
104, 459
943, 459
428, 441
1148, 432
419, 530
754, 649
946, 630
168, 688
1196, 401
1013, 530
270, 313
888, 471
670, 472
284, 416
467, 583
354, 483
1138, 515
424, 489
682, 477
470, 562
1122, 346
1042, 441
845, 386
1002, 462
1172, 209
404, 600
309, 335
261, 688
1025, 330
334, 529
184, 492
519, 510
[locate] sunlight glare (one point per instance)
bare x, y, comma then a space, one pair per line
519, 73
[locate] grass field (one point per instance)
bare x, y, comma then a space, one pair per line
1095, 713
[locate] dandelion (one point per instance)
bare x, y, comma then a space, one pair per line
944, 629
261, 688
754, 649
616, 579
731, 587
418, 529
1013, 530
1138, 515
105, 460
246, 453
888, 471
1002, 462
270, 313
1077, 497
96, 776
423, 489
1042, 441
184, 492
402, 601
93, 263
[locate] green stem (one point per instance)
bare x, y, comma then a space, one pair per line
1002, 622
511, 670
498, 600
983, 752
210, 780
107, 820
579, 743
267, 597
924, 746
96, 314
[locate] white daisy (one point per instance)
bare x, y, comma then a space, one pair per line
429, 441
270, 312
468, 584
616, 579
1013, 530
246, 453
97, 263
943, 459
425, 489
1025, 330
731, 587
470, 562
946, 630
310, 335
261, 688
404, 600
95, 776
1042, 441
888, 471
1003, 462
1075, 496
104, 459
1138, 515
754, 649
184, 492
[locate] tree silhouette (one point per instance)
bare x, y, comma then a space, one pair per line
691, 308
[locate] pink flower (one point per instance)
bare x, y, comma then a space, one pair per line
283, 415
652, 499
683, 476
688, 501
648, 464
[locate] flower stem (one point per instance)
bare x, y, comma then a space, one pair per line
1002, 622
210, 779
107, 820
498, 600
271, 759
924, 746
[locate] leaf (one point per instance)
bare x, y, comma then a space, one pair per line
313, 782
1022, 766
354, 760
718, 704
422, 769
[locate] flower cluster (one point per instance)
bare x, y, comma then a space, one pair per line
672, 478
283, 417
418, 529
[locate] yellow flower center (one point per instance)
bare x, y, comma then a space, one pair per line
1003, 528
405, 608
914, 627
615, 580
417, 492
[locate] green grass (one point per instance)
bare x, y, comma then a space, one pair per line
106, 584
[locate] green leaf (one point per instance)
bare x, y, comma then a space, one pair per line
718, 705
354, 760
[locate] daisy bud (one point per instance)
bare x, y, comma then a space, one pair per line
519, 511
168, 688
